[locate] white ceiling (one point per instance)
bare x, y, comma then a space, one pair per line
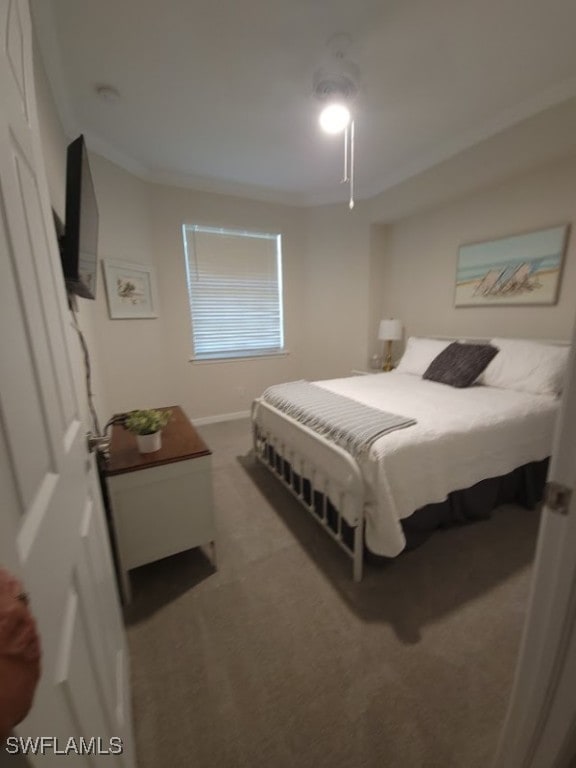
217, 94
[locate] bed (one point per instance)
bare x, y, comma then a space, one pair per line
501, 421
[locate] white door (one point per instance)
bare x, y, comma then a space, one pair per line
540, 730
52, 529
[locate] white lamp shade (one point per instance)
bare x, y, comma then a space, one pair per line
390, 330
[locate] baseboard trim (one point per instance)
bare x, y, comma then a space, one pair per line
222, 417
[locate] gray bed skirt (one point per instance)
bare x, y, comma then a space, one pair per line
524, 486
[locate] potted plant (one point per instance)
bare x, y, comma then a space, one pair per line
147, 425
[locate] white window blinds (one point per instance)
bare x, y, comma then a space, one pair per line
235, 292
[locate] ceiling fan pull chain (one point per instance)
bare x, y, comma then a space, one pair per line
351, 203
345, 176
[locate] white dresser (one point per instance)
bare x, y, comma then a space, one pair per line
159, 503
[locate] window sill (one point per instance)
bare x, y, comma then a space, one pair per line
210, 361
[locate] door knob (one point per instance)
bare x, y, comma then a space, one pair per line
98, 443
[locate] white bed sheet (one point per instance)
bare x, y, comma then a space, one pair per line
462, 436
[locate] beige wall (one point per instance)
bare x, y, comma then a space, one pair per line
326, 278
377, 278
326, 275
420, 256
337, 291
131, 352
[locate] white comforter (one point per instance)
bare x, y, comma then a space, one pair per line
462, 436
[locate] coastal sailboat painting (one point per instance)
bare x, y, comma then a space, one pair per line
521, 269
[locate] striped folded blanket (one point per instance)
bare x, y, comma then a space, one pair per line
352, 425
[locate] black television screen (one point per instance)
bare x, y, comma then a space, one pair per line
79, 246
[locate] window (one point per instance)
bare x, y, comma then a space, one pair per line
235, 292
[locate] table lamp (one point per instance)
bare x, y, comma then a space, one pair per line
390, 330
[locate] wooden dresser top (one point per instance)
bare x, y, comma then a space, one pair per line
180, 442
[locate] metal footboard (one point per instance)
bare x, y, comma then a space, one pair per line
324, 478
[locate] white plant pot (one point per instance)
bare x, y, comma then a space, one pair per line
149, 443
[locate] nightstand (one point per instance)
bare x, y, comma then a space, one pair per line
159, 503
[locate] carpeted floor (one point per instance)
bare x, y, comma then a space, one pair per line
279, 660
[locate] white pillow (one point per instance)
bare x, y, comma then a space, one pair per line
527, 366
419, 353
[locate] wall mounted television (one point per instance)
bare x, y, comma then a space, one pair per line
79, 243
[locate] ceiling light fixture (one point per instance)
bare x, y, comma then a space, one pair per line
334, 118
336, 85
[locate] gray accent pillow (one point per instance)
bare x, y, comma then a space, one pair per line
459, 365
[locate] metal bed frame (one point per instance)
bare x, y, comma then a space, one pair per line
317, 478
324, 482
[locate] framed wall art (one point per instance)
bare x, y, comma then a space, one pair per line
130, 289
515, 270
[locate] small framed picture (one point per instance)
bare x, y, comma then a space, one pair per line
131, 290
